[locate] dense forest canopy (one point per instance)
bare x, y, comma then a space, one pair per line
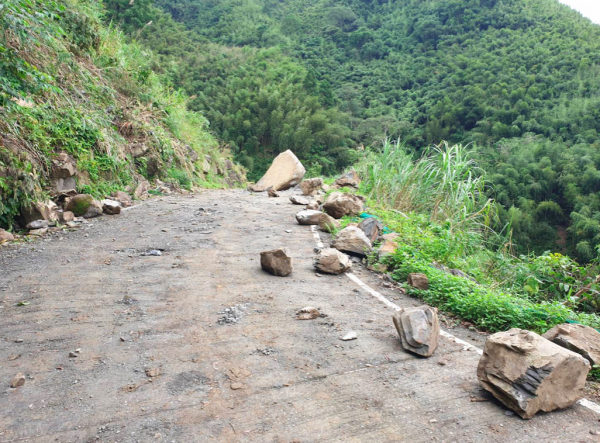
519, 79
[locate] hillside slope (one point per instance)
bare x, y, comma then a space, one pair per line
519, 79
71, 87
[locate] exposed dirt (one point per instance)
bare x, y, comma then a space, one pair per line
157, 357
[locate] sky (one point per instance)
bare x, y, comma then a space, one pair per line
588, 8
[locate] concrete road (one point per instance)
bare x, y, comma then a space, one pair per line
156, 358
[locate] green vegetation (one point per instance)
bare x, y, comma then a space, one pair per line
68, 83
444, 223
518, 81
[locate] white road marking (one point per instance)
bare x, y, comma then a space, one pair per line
466, 345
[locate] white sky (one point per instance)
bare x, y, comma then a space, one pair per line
588, 8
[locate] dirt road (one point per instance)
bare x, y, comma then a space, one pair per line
156, 358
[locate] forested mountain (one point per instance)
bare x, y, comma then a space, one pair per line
519, 79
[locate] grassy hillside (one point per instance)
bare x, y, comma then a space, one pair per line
518, 79
69, 84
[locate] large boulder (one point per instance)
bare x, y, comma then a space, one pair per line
285, 172
353, 240
327, 223
40, 211
311, 186
5, 236
581, 339
339, 204
332, 261
350, 178
528, 373
308, 217
371, 227
277, 262
419, 329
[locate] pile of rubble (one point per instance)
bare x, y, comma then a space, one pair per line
526, 372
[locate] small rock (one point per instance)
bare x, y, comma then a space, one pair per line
311, 186
581, 339
37, 224
236, 385
308, 313
152, 372
73, 354
277, 262
352, 240
349, 336
386, 248
332, 261
111, 207
5, 236
273, 193
339, 204
17, 381
419, 329
66, 217
418, 281
300, 200
313, 205
350, 178
308, 217
327, 223
123, 198
371, 227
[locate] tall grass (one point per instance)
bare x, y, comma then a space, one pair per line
444, 183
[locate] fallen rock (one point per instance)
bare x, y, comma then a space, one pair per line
327, 223
308, 217
17, 381
418, 281
371, 227
350, 178
5, 236
528, 373
332, 261
313, 205
111, 207
308, 313
419, 329
40, 211
311, 186
351, 335
339, 204
152, 372
277, 262
352, 240
94, 210
37, 224
66, 217
272, 192
63, 172
386, 248
580, 339
285, 172
141, 191
79, 204
299, 200
123, 198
